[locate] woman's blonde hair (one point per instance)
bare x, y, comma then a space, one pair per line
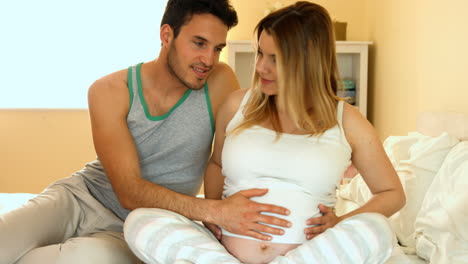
307, 70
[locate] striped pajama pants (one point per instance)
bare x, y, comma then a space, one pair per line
158, 236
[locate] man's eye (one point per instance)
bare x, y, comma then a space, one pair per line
198, 43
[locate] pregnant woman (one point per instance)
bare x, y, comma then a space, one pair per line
292, 135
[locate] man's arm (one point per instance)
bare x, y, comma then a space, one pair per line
108, 105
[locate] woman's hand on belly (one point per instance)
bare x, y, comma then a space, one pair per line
321, 223
239, 215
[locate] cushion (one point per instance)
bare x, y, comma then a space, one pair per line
416, 174
416, 159
441, 233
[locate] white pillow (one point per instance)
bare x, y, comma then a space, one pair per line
397, 147
416, 159
441, 232
416, 175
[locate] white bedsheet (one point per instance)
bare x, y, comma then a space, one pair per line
441, 230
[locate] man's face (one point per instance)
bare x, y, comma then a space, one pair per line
195, 51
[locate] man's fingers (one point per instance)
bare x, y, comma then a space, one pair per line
271, 220
272, 209
217, 233
260, 227
257, 235
215, 230
253, 192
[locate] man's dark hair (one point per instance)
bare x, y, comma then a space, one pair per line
179, 12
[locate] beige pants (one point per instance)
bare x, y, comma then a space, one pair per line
63, 224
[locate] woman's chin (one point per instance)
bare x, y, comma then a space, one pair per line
269, 90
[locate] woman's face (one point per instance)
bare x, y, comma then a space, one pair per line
266, 64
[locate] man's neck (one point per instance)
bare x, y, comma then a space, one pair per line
161, 90
158, 79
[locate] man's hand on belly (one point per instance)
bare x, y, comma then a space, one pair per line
322, 223
239, 215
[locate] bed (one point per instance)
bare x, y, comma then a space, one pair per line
432, 163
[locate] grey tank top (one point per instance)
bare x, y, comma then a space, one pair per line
173, 149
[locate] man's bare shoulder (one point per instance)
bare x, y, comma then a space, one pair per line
111, 89
222, 81
111, 83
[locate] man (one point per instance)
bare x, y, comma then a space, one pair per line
152, 127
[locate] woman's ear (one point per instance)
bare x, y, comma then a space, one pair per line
167, 35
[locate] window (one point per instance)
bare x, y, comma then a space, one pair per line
53, 50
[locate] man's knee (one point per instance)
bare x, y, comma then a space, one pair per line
144, 216
108, 247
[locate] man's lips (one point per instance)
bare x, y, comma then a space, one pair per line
201, 72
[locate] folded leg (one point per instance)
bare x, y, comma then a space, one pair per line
97, 248
364, 238
159, 236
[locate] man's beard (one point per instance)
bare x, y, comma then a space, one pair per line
176, 69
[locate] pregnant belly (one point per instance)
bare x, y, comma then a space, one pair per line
302, 206
255, 252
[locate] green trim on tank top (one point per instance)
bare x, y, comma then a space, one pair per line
145, 106
130, 87
208, 103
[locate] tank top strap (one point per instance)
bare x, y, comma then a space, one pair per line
339, 113
132, 81
339, 118
245, 99
239, 116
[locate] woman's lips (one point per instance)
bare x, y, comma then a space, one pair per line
265, 81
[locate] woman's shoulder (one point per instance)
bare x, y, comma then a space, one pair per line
234, 101
355, 125
350, 111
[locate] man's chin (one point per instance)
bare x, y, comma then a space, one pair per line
198, 85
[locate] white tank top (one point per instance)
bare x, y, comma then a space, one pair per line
300, 171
